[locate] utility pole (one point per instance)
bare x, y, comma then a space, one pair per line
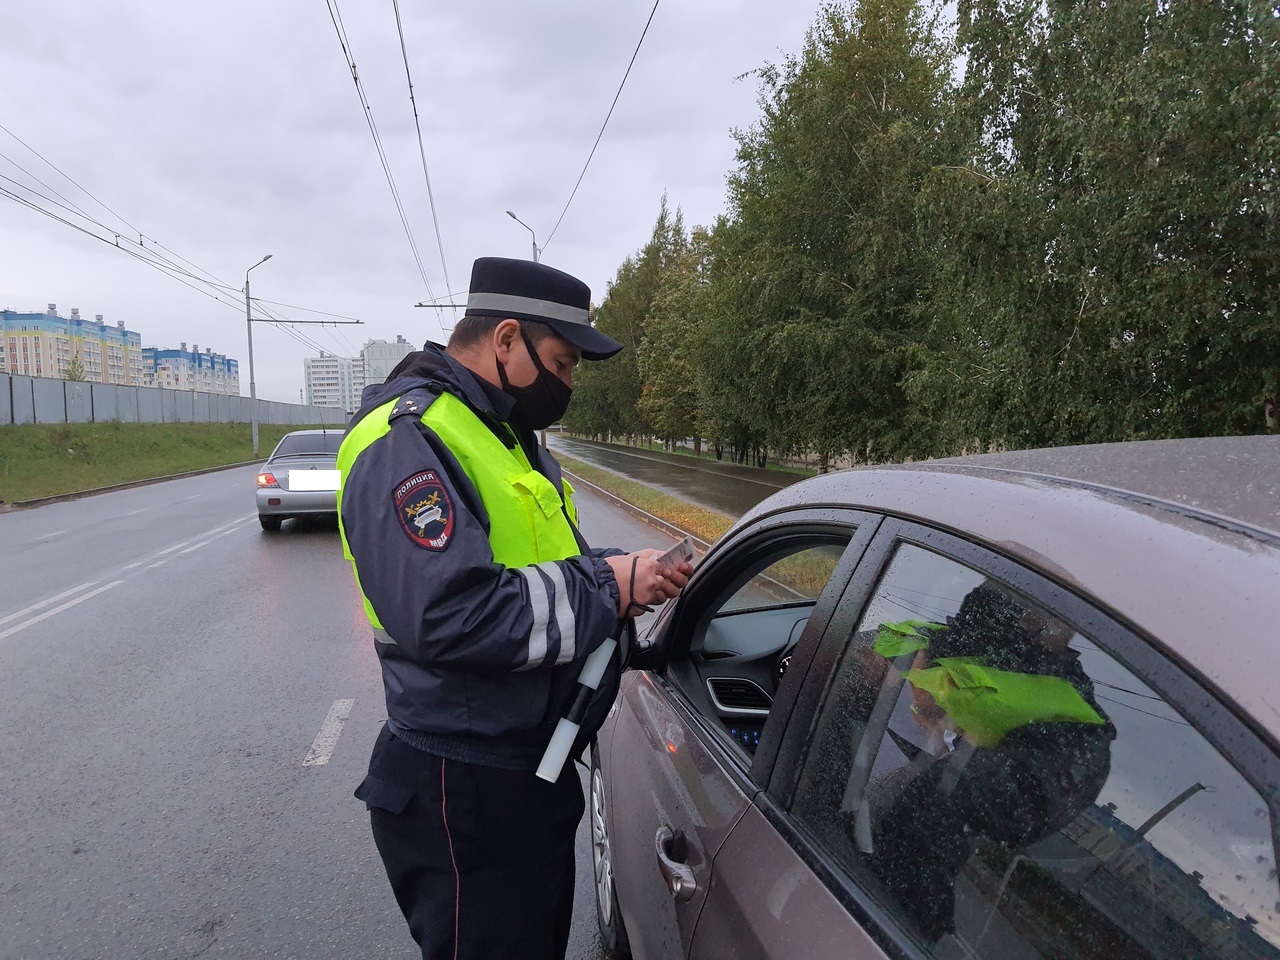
249, 322
253, 389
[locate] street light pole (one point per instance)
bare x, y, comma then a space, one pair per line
253, 389
531, 233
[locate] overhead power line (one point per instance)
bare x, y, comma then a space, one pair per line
336, 16
574, 193
207, 285
69, 180
422, 152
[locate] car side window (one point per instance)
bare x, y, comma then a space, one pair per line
1005, 788
739, 655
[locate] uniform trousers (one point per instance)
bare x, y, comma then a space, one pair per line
481, 859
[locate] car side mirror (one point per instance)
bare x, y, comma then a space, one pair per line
648, 652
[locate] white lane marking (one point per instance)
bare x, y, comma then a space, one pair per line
330, 730
130, 566
158, 563
197, 546
134, 512
44, 603
180, 543
50, 536
58, 609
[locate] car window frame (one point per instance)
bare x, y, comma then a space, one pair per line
708, 582
1249, 750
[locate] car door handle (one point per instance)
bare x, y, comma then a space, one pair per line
677, 874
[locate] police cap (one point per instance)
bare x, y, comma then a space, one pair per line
525, 290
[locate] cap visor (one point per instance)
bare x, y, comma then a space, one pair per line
593, 344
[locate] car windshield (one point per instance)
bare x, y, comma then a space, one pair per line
308, 444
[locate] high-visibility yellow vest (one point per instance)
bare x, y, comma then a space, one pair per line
527, 518
986, 703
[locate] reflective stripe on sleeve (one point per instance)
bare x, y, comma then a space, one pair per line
540, 600
383, 637
565, 619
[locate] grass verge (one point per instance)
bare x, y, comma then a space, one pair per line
49, 459
805, 573
706, 454
705, 524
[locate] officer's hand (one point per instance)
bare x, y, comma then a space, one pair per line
641, 582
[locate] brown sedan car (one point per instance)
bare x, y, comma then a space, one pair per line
1024, 705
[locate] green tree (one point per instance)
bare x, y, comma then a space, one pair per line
822, 275
607, 396
75, 369
1104, 266
669, 392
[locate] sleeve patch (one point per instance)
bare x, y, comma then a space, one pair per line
425, 510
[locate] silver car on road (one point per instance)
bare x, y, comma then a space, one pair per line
300, 478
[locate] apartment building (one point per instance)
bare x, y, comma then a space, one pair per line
330, 381
184, 369
45, 344
380, 358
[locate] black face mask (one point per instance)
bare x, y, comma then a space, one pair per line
542, 402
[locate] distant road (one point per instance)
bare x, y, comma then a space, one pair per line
166, 672
728, 488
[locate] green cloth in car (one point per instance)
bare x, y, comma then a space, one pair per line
987, 703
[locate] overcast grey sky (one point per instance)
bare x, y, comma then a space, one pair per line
227, 130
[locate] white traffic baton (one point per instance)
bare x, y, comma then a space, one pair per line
566, 731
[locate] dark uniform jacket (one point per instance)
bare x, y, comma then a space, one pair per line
457, 668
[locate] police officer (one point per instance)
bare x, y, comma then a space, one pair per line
484, 600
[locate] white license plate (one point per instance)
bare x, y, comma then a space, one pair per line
313, 479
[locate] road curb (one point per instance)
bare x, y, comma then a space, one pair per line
80, 494
670, 529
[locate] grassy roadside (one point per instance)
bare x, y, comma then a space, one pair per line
706, 524
707, 455
45, 460
806, 572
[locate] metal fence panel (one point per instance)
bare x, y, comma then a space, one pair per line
24, 402
221, 408
126, 404
201, 405
77, 400
51, 402
105, 401
6, 400
168, 406
184, 406
150, 405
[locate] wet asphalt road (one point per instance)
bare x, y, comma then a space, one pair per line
724, 487
165, 667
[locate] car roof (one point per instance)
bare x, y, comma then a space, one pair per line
1179, 538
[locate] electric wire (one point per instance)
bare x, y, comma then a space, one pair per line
162, 267
574, 193
116, 237
168, 270
336, 16
422, 152
294, 306
123, 242
70, 180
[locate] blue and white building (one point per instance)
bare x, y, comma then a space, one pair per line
184, 369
